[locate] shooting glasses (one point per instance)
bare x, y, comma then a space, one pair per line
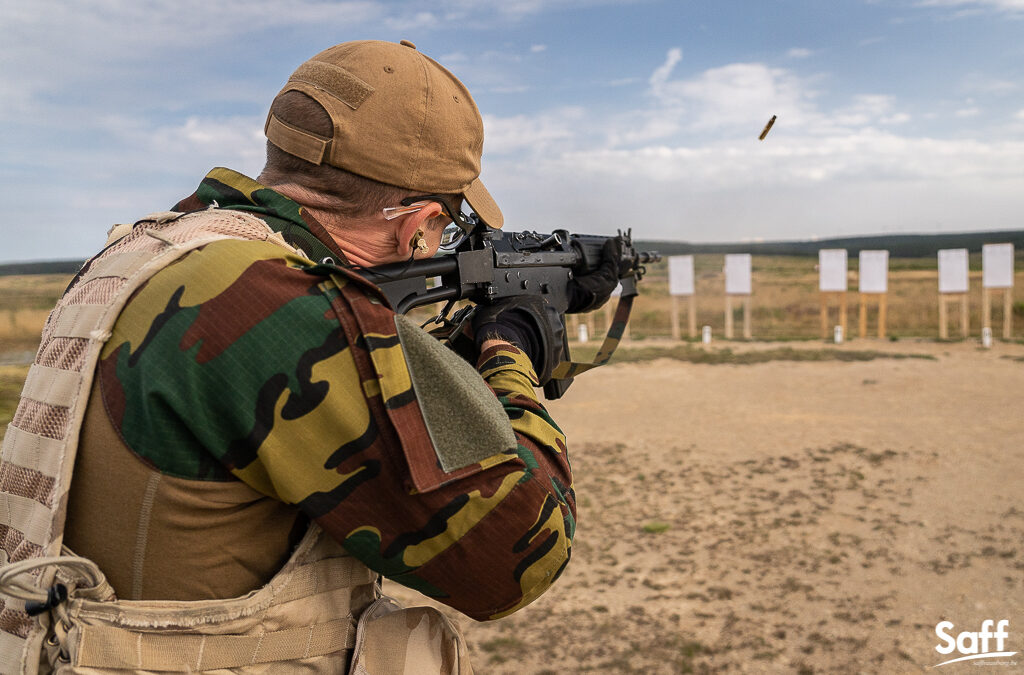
454, 232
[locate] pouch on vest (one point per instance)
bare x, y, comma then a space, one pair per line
392, 640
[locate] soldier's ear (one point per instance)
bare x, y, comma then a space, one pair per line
410, 224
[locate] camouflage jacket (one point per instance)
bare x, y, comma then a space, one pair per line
242, 361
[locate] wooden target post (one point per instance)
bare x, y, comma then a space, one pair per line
680, 284
882, 302
873, 284
953, 289
691, 322
997, 277
737, 284
947, 299
832, 285
745, 300
986, 309
839, 298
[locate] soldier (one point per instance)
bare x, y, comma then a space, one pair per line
233, 427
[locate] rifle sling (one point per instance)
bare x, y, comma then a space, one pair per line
569, 369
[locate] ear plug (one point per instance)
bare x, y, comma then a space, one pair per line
419, 244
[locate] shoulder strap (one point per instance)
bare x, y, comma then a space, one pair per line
38, 452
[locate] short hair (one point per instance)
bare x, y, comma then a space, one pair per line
359, 196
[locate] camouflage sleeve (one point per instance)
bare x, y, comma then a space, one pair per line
487, 539
240, 360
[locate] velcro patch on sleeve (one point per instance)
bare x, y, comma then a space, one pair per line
466, 422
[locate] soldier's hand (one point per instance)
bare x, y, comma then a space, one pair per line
530, 323
590, 291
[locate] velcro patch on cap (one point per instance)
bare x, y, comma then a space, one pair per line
334, 80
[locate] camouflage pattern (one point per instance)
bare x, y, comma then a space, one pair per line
410, 641
242, 361
229, 189
41, 443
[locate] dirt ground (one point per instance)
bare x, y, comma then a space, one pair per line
783, 517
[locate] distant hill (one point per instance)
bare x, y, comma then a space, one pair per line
898, 245
44, 267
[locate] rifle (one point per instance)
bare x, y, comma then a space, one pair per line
489, 265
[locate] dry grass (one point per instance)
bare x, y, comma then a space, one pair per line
635, 352
25, 302
11, 379
785, 304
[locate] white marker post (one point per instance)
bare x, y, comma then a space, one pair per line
737, 282
680, 284
953, 287
997, 275
832, 284
584, 334
873, 281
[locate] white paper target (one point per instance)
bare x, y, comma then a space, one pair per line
832, 269
680, 275
737, 274
953, 270
874, 272
997, 265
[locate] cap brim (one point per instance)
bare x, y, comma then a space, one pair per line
483, 204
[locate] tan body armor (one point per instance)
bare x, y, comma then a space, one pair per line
321, 613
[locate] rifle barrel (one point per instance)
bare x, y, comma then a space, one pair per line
648, 256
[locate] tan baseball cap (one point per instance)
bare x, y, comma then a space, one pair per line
399, 118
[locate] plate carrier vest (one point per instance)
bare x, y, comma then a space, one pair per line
303, 620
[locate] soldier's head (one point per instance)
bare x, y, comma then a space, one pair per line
369, 125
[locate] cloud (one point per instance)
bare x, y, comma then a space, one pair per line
690, 154
62, 57
116, 104
661, 74
478, 12
786, 187
1008, 6
729, 98
981, 83
536, 133
413, 21
793, 162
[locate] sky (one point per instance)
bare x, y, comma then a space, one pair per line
893, 116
